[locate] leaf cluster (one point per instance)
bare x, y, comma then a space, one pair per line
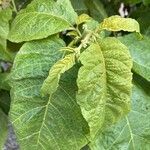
75, 74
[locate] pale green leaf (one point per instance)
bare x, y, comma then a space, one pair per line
72, 33
3, 128
104, 83
140, 52
51, 83
83, 18
131, 133
117, 23
5, 16
40, 122
42, 18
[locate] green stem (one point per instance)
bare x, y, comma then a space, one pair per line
14, 5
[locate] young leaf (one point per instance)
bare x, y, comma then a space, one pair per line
104, 83
83, 18
42, 18
117, 23
132, 132
140, 53
54, 123
51, 83
3, 128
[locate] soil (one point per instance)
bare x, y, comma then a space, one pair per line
11, 142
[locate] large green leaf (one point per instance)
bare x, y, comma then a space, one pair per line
42, 18
3, 128
140, 52
104, 83
117, 23
54, 123
52, 81
131, 133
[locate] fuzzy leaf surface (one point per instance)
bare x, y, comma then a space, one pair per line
117, 23
132, 132
54, 123
51, 83
42, 18
104, 83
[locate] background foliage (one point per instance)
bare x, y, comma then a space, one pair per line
31, 62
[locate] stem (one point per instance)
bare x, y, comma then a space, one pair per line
84, 43
14, 5
79, 33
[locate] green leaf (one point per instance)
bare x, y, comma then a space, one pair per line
83, 19
104, 83
4, 22
132, 132
146, 2
5, 54
142, 16
4, 101
140, 53
3, 129
117, 23
96, 9
133, 1
79, 6
54, 123
42, 18
5, 15
51, 83
4, 81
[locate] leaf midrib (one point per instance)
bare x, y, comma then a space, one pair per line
44, 118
